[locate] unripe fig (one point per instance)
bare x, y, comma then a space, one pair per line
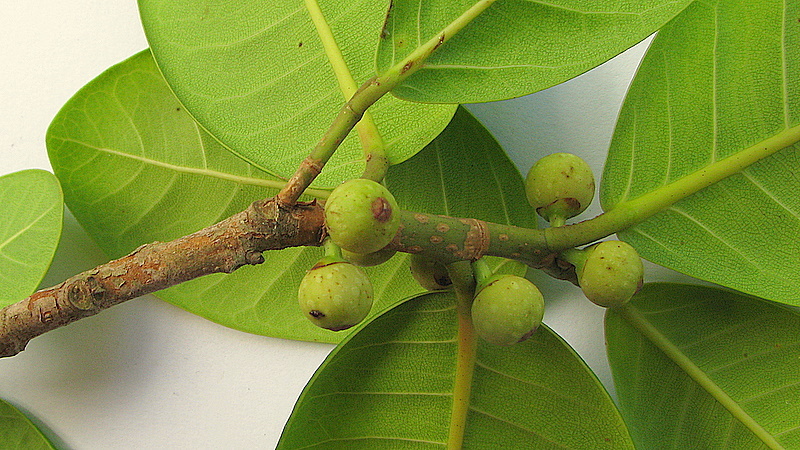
335, 294
369, 259
507, 310
611, 273
361, 216
429, 273
560, 186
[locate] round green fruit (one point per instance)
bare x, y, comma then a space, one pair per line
560, 185
507, 310
335, 294
429, 273
611, 274
361, 216
369, 259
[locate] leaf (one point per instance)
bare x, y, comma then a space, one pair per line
514, 47
256, 76
136, 168
17, 432
699, 367
720, 78
31, 213
391, 384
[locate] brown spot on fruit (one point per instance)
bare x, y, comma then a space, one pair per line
381, 210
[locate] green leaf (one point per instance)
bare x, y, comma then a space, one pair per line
719, 79
31, 213
514, 47
391, 385
136, 168
699, 367
256, 76
17, 432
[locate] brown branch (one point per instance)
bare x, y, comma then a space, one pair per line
223, 247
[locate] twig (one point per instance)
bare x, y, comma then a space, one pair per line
223, 247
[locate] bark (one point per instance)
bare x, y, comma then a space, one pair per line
223, 247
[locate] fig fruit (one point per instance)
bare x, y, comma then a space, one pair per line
335, 294
560, 186
610, 273
429, 273
369, 259
361, 216
507, 310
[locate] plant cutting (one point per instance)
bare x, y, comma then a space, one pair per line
221, 211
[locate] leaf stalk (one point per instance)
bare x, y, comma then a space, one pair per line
466, 356
364, 97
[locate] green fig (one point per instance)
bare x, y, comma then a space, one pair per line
361, 216
560, 186
429, 273
335, 294
369, 259
507, 310
609, 273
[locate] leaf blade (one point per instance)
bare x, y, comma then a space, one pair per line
727, 354
405, 389
18, 432
265, 87
692, 104
514, 48
31, 215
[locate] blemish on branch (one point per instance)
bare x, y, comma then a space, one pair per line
440, 42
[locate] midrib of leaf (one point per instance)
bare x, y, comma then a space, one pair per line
785, 68
23, 230
275, 184
366, 128
638, 321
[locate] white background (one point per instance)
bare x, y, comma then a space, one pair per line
146, 374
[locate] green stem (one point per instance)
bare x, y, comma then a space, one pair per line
464, 284
558, 221
631, 212
638, 321
372, 142
364, 97
574, 256
331, 250
482, 273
